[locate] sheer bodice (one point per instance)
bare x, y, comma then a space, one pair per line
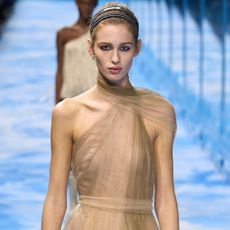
113, 161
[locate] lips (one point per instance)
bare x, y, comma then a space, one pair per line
115, 70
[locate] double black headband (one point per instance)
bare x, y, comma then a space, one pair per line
118, 12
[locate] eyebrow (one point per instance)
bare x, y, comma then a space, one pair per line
109, 43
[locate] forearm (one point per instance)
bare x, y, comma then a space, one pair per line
167, 214
53, 214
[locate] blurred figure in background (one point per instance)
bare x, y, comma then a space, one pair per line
76, 70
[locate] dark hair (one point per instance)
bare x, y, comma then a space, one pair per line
115, 13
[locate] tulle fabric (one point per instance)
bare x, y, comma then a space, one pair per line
87, 218
113, 161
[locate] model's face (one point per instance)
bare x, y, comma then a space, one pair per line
85, 7
114, 49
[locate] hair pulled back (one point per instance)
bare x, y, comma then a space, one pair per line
114, 13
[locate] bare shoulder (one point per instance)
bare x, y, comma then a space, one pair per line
66, 109
88, 97
71, 107
63, 34
68, 33
64, 30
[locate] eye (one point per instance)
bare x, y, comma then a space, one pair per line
125, 48
105, 47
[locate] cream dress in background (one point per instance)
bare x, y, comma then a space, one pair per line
79, 69
113, 161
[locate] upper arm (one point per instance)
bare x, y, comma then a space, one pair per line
163, 154
163, 146
60, 43
165, 197
61, 148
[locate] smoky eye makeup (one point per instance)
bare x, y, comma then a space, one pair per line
122, 47
105, 46
125, 47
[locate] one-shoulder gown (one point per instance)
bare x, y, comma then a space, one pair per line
113, 162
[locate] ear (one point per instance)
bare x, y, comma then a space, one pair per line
90, 48
138, 47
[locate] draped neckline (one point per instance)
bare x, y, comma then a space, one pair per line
105, 88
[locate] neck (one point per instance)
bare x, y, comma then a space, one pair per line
83, 22
125, 83
110, 88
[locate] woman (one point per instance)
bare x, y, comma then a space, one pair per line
116, 139
73, 57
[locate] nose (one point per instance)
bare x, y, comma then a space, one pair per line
115, 59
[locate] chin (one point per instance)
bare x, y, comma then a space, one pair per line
113, 79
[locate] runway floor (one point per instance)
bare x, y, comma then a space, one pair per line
27, 68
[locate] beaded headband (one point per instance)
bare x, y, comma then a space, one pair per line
117, 12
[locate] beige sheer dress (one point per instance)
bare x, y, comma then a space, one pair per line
79, 69
113, 161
